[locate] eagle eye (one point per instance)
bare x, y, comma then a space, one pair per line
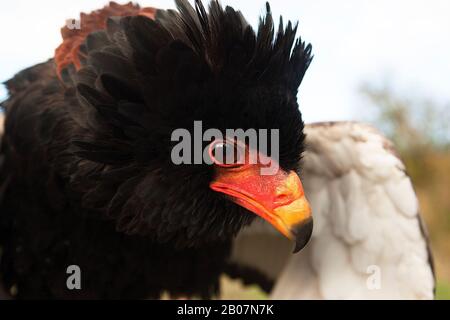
225, 153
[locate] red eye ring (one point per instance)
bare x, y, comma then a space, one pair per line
238, 157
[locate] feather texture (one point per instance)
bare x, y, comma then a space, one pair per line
72, 51
366, 219
86, 172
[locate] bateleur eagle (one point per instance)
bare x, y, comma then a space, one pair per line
87, 179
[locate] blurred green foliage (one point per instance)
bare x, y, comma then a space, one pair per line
443, 290
414, 125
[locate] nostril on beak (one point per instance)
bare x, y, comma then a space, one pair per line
282, 199
289, 191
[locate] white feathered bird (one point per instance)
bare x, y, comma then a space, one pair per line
368, 242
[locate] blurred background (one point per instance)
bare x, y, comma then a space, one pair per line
382, 62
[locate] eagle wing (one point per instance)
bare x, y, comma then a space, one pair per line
368, 242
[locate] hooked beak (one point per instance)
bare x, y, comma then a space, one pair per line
278, 198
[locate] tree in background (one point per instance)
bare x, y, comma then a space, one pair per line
421, 132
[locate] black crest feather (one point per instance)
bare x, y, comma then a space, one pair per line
143, 78
85, 169
224, 39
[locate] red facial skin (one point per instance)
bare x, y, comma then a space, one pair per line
277, 198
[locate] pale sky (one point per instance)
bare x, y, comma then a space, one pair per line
405, 44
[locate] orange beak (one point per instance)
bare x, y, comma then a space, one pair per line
278, 198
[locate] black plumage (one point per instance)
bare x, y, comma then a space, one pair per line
86, 175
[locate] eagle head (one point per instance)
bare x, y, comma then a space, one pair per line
141, 79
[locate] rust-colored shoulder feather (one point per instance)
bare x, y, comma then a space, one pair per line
68, 52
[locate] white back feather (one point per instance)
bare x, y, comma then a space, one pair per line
366, 218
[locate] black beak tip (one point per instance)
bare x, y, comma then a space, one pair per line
302, 233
